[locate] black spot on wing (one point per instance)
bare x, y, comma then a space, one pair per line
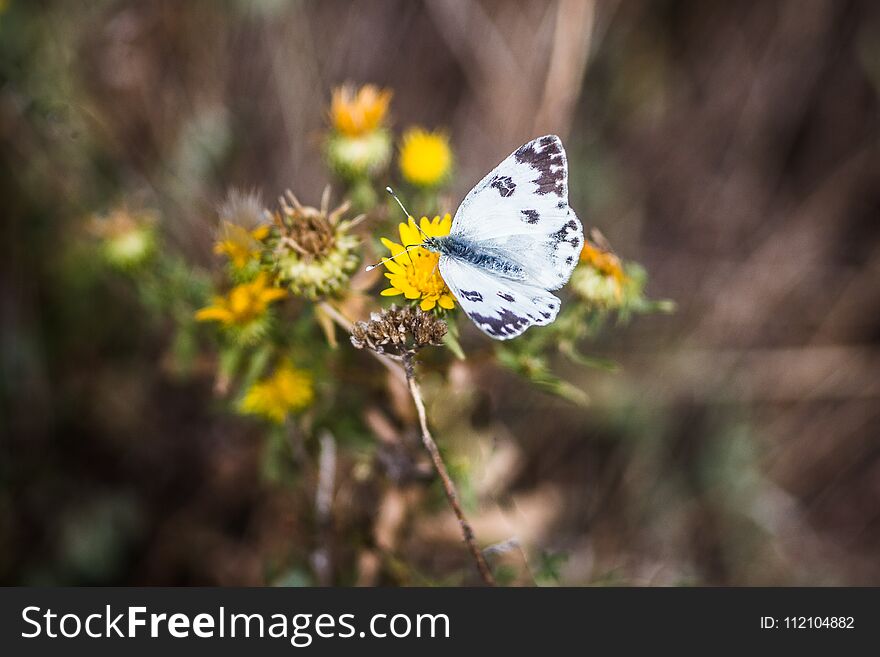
530, 216
472, 295
504, 185
568, 233
505, 296
503, 325
551, 182
546, 157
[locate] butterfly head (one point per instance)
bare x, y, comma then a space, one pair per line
433, 244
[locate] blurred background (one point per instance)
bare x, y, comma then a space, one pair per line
731, 148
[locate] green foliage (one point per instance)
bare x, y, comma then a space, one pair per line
580, 321
549, 567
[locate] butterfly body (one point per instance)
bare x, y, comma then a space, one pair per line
483, 257
513, 239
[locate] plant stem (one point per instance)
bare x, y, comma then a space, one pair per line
440, 467
321, 555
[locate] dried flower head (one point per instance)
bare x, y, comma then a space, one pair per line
425, 157
415, 273
311, 248
354, 113
402, 329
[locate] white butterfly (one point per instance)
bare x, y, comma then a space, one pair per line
513, 239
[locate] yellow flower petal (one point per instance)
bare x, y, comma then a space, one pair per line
391, 292
394, 268
357, 112
446, 301
238, 244
212, 314
409, 234
427, 304
273, 294
394, 247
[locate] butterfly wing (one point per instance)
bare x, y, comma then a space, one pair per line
521, 210
502, 308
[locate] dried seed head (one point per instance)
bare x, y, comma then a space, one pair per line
307, 231
403, 329
311, 248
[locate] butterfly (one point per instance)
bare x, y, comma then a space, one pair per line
513, 239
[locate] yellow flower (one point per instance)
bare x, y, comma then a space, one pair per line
287, 390
239, 244
425, 157
415, 274
359, 145
355, 113
244, 303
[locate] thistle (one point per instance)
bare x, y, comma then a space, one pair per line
356, 113
311, 249
359, 144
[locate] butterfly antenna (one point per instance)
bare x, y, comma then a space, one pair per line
384, 260
405, 211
